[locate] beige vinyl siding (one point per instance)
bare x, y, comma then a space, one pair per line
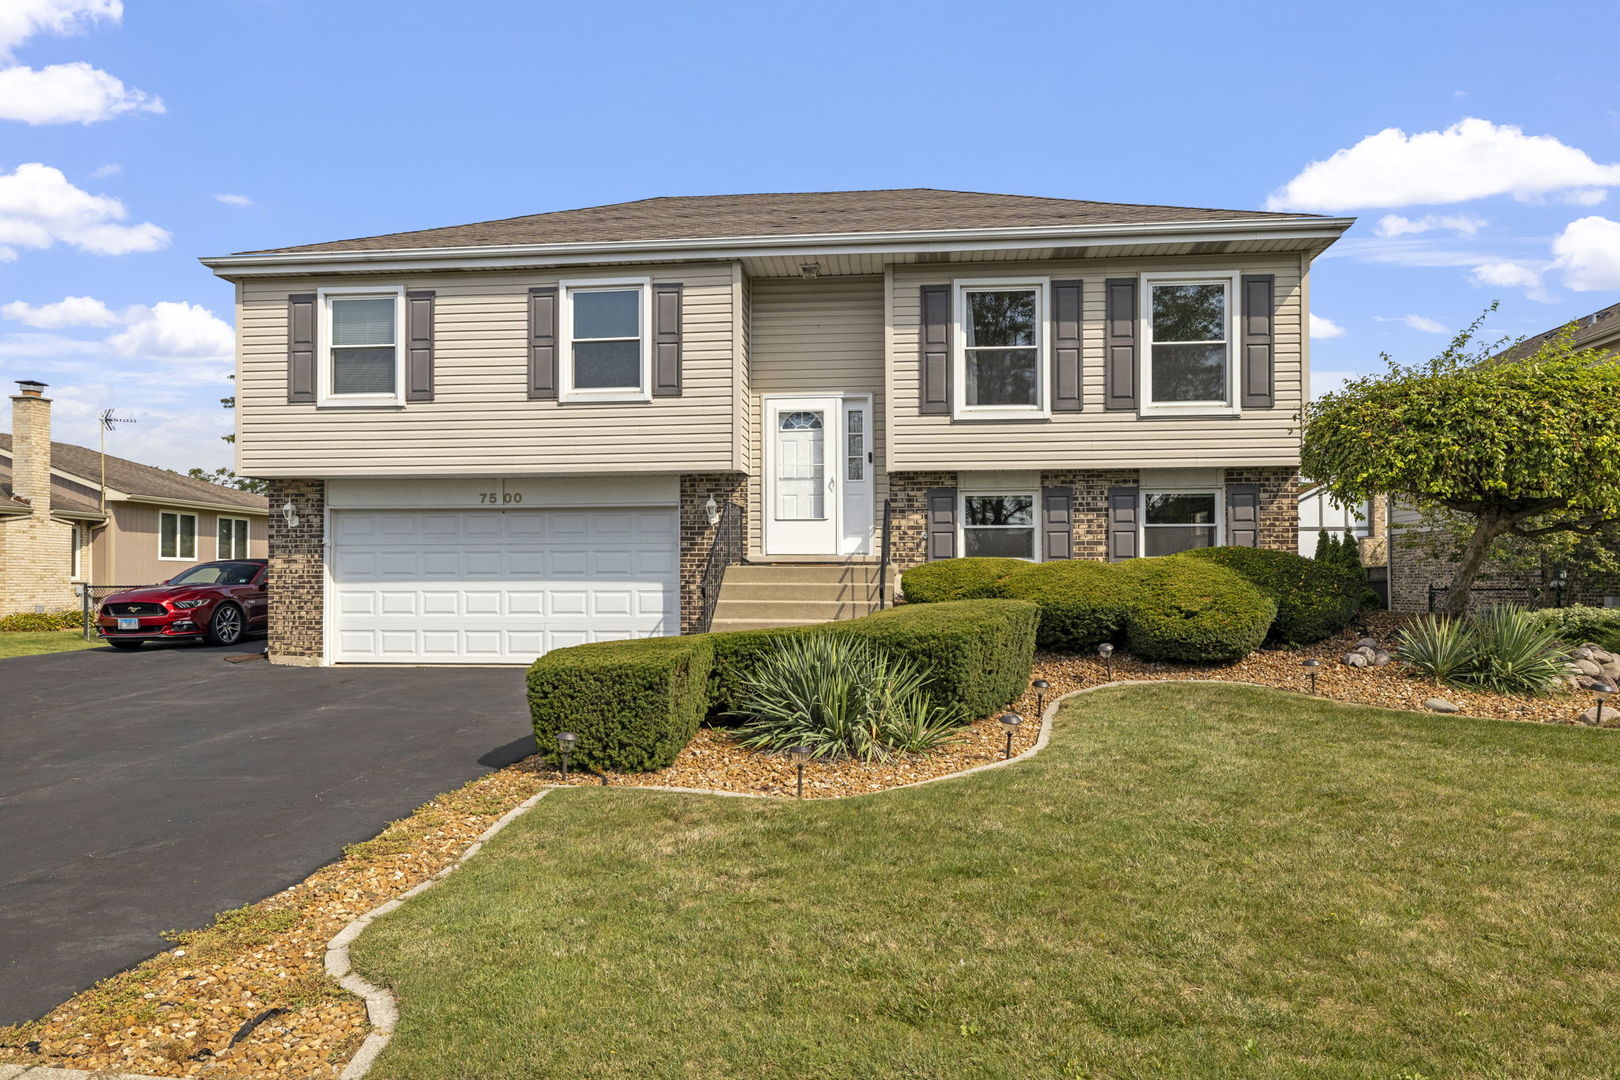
822, 336
481, 421
1093, 437
129, 544
742, 397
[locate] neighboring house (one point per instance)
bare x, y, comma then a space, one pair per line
58, 534
502, 438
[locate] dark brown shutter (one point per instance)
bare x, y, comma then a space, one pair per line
1123, 513
1067, 300
419, 345
1057, 523
666, 340
934, 378
1119, 343
1259, 337
942, 523
1243, 515
301, 347
543, 342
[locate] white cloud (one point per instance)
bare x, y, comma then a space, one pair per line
112, 168
68, 94
1472, 159
1323, 328
234, 200
1511, 275
1587, 254
174, 330
68, 311
1396, 225
1424, 324
39, 208
22, 19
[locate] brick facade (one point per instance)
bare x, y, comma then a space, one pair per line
35, 548
1279, 503
297, 572
908, 515
1090, 486
697, 535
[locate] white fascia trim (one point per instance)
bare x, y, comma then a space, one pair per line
735, 247
193, 504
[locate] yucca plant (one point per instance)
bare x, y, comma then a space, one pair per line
1435, 646
842, 697
1514, 653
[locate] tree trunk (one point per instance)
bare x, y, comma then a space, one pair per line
1488, 527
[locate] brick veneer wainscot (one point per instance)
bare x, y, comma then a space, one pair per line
697, 535
297, 573
908, 514
1279, 503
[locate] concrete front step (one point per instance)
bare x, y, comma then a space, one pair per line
830, 591
806, 573
760, 595
720, 625
789, 606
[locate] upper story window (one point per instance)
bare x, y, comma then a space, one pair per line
361, 334
607, 356
1187, 333
1001, 349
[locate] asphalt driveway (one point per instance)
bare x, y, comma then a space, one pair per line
146, 791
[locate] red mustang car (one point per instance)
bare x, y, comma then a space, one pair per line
216, 601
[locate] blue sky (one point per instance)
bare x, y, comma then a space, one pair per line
1477, 143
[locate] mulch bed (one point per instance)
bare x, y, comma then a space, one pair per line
192, 1008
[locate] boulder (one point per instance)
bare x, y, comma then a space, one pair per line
1611, 717
1380, 658
1367, 643
1611, 670
1582, 653
1602, 656
1355, 659
1441, 705
1588, 667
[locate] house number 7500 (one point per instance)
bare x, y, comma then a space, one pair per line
500, 497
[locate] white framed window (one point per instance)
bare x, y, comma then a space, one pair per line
1180, 520
177, 537
605, 331
75, 552
1000, 524
1000, 351
360, 346
232, 537
1189, 326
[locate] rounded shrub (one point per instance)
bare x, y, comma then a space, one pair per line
1193, 610
956, 579
1082, 603
1315, 600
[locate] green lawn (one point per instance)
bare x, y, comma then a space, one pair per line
1191, 881
34, 642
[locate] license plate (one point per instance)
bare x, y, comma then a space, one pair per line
129, 624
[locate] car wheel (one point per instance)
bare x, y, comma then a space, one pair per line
225, 628
124, 644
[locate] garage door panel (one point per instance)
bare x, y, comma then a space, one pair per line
498, 586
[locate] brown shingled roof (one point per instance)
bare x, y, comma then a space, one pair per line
133, 478
1601, 328
690, 217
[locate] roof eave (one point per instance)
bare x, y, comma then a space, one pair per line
1321, 229
196, 504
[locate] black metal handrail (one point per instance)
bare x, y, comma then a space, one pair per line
1532, 595
727, 550
884, 542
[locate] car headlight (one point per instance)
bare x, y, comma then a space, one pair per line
189, 603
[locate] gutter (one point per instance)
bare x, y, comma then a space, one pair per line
735, 247
195, 504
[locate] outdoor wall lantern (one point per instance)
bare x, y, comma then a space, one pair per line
799, 755
712, 509
289, 514
1106, 651
566, 740
1601, 690
1311, 667
1041, 686
1009, 724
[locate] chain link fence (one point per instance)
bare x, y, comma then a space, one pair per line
90, 598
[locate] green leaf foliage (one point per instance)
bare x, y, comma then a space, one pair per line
1193, 611
24, 621
1083, 604
956, 579
1503, 649
1314, 599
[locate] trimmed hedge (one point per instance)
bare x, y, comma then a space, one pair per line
25, 621
634, 704
1193, 610
1083, 604
944, 580
1315, 600
977, 654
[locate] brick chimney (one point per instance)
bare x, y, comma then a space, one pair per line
31, 446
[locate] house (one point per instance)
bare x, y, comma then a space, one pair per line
490, 440
61, 530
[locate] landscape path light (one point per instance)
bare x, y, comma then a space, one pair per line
1311, 667
1601, 690
799, 755
1041, 686
1009, 724
1106, 651
566, 741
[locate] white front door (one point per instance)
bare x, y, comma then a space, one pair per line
818, 475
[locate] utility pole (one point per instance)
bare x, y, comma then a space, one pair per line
107, 422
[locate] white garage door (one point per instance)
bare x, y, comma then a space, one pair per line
498, 586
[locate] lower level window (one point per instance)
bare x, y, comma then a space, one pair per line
177, 536
1175, 521
999, 525
233, 538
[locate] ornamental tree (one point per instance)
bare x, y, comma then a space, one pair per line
1527, 446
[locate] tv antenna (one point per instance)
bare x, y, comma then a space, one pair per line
108, 421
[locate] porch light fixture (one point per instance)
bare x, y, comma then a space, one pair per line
566, 741
289, 514
1106, 651
712, 509
1601, 691
1311, 667
1041, 686
799, 755
1009, 724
